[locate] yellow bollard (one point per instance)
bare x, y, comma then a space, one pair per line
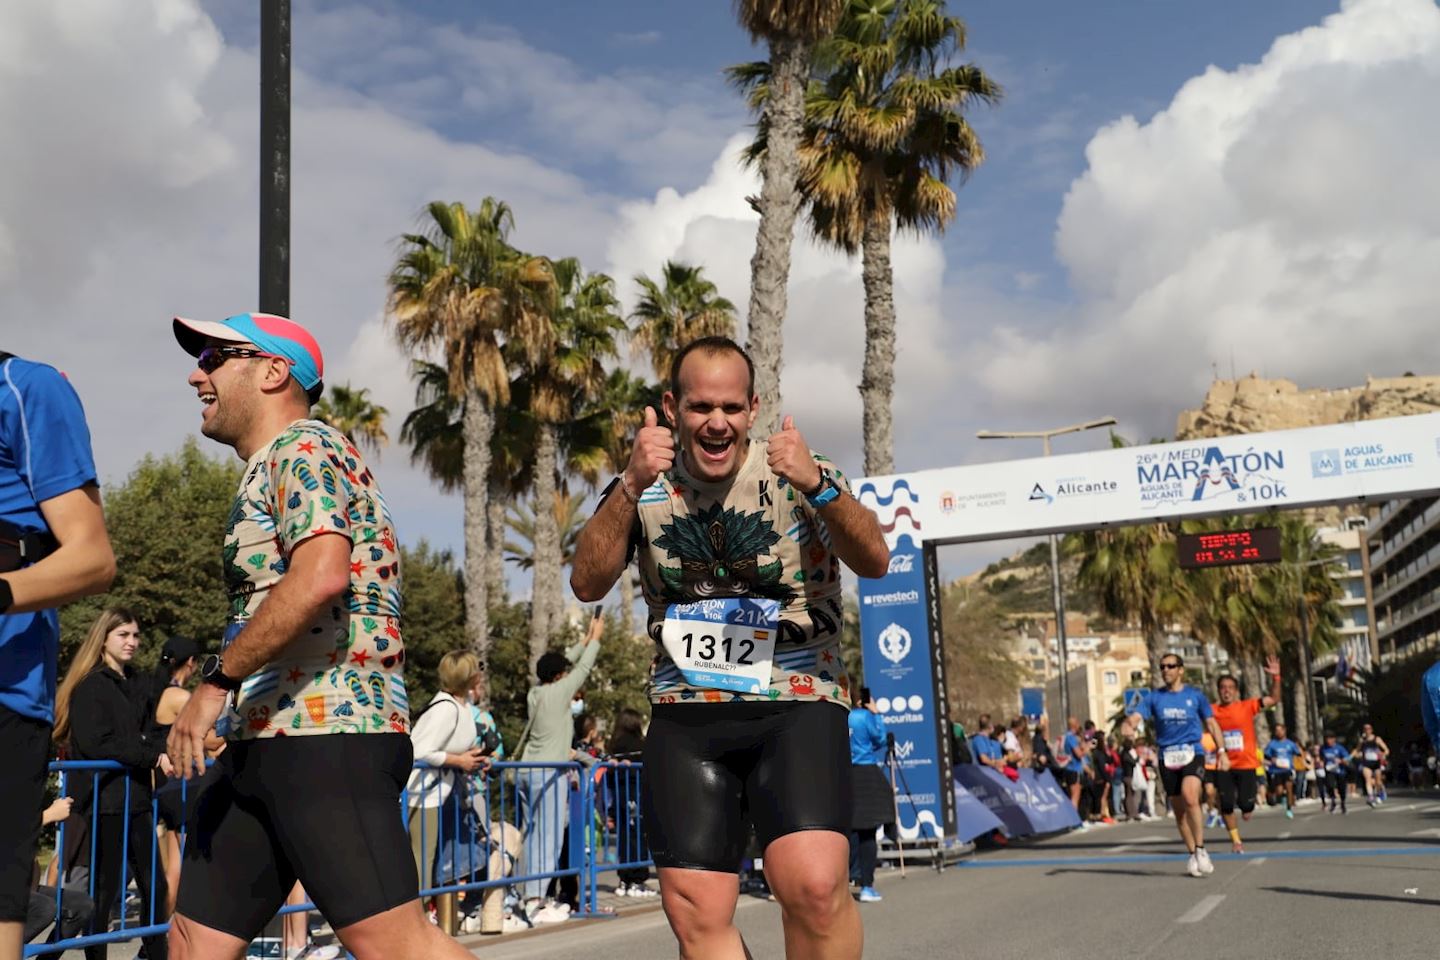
447, 914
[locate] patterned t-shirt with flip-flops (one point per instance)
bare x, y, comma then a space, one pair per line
345, 672
754, 536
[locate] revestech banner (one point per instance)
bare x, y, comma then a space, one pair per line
902, 675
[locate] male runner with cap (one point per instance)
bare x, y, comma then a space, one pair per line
1280, 755
1180, 713
309, 688
1373, 751
1237, 785
53, 549
739, 542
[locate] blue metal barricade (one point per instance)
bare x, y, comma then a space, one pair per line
477, 833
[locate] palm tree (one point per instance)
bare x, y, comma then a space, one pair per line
885, 135
433, 429
350, 411
521, 521
792, 28
1133, 571
583, 315
447, 293
681, 307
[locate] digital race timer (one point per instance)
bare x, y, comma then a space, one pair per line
1226, 548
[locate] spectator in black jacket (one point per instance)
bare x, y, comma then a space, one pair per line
99, 717
623, 787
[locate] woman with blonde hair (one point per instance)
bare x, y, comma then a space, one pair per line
443, 737
98, 718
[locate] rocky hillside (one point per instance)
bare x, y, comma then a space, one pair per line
1253, 405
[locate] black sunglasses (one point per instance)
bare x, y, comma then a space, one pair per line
1170, 666
213, 358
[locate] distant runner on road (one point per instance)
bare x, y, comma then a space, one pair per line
1237, 786
1373, 752
1335, 764
1181, 714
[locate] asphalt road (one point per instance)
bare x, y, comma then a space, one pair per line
1317, 886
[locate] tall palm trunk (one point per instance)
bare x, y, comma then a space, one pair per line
1154, 644
545, 592
478, 424
627, 600
779, 204
499, 591
1302, 696
877, 381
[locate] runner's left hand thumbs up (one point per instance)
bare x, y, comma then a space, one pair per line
789, 456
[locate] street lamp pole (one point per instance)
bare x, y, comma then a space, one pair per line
1057, 594
275, 157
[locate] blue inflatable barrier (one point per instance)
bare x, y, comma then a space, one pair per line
1033, 804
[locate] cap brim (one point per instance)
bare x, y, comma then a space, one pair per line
192, 334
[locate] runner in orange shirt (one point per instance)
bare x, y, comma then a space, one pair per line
1236, 717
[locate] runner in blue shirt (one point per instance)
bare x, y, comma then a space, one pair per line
1181, 714
53, 549
1071, 761
1335, 761
1430, 704
1280, 754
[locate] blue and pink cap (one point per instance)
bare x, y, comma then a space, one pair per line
270, 333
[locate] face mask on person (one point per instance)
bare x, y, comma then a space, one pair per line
577, 707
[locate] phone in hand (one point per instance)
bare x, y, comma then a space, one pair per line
598, 612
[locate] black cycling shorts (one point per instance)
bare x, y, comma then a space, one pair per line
25, 745
323, 809
1171, 779
714, 769
1237, 789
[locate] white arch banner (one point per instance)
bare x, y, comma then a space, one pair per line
1372, 460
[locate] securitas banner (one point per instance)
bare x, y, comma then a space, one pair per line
1033, 804
905, 673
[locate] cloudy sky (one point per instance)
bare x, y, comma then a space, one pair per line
1171, 190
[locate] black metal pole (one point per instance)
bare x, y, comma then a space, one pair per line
275, 156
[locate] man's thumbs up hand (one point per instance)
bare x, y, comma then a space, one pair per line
653, 454
789, 456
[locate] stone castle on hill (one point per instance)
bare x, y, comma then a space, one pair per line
1255, 405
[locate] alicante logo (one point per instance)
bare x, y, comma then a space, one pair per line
894, 643
1037, 492
1325, 463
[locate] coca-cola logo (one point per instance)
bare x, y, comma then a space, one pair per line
902, 563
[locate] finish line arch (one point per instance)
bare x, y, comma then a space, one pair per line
1366, 460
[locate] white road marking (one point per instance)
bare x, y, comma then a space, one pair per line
1202, 909
1257, 861
1432, 832
1121, 848
1285, 835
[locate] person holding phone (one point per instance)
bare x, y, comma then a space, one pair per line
545, 791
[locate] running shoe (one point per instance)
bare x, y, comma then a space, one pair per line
514, 924
1212, 821
1202, 857
550, 913
1193, 866
870, 895
1289, 814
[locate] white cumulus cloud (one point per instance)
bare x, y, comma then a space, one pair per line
1284, 215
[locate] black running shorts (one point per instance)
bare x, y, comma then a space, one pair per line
1171, 779
1237, 790
323, 809
714, 769
25, 745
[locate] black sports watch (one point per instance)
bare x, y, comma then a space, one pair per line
7, 598
212, 671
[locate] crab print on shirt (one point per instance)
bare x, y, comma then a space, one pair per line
345, 672
754, 536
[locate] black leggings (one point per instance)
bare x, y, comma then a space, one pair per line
1335, 785
109, 853
1236, 789
863, 854
712, 769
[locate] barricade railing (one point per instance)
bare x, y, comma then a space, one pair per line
479, 832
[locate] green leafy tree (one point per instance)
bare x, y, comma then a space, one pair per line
980, 676
349, 410
521, 521
166, 523
433, 623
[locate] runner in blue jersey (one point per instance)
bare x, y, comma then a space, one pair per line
1280, 754
1181, 714
1430, 704
1335, 764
